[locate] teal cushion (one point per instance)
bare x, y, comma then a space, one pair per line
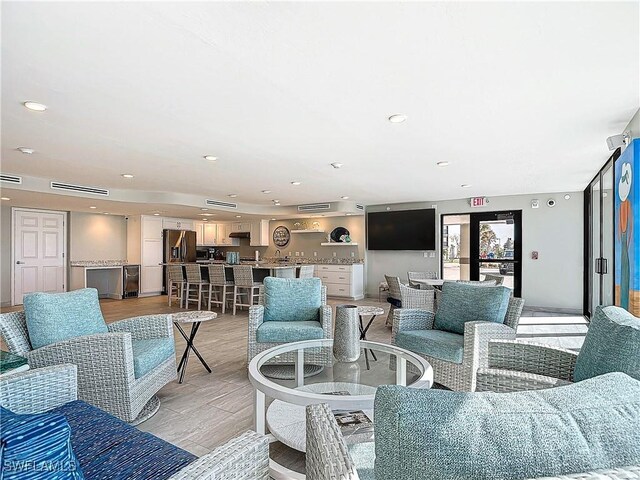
292, 299
363, 456
461, 303
286, 332
446, 346
442, 435
612, 344
148, 354
55, 317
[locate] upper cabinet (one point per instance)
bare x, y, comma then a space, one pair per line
177, 224
259, 233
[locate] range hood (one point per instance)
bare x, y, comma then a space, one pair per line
239, 235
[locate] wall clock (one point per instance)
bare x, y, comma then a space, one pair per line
281, 236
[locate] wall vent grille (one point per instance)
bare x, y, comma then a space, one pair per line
16, 180
218, 203
314, 207
68, 187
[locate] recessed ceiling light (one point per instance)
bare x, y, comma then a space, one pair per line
92, 207
277, 204
232, 195
127, 175
206, 214
337, 164
204, 209
266, 191
465, 185
238, 216
26, 150
105, 213
295, 183
349, 214
5, 198
397, 118
156, 214
344, 197
273, 219
442, 164
567, 196
210, 157
205, 219
35, 106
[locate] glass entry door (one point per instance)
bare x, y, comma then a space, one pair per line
496, 247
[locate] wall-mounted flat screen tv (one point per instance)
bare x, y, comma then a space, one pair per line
402, 230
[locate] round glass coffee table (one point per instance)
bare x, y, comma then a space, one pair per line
343, 386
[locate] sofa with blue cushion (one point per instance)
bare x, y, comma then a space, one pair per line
455, 339
42, 419
612, 344
291, 310
121, 366
586, 430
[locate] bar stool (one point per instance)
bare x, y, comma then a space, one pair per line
306, 271
176, 282
243, 279
218, 285
194, 284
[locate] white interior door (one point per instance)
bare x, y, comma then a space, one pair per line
39, 244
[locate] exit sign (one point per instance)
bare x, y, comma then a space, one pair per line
478, 201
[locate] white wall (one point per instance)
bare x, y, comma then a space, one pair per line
553, 281
94, 236
5, 255
634, 125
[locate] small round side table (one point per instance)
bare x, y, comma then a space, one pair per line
366, 311
195, 318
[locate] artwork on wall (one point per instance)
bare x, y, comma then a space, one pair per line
627, 229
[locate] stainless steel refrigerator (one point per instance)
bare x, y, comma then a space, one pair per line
179, 247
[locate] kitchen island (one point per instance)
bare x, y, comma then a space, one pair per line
260, 270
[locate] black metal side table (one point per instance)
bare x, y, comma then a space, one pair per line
366, 311
195, 318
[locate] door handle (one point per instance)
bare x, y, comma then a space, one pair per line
20, 262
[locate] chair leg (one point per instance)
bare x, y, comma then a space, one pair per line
235, 298
224, 297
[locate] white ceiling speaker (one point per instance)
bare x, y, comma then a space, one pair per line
616, 141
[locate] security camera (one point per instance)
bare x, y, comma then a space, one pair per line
616, 141
551, 202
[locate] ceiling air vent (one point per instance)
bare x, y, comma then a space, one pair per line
11, 179
79, 189
359, 207
314, 207
217, 203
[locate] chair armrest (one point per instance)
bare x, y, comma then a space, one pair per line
502, 381
411, 319
326, 319
38, 390
477, 336
327, 456
256, 317
245, 457
533, 358
103, 359
144, 327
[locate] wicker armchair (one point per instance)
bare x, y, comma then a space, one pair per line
328, 456
256, 318
245, 457
460, 376
105, 362
394, 296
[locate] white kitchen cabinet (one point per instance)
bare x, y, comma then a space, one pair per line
199, 226
259, 233
342, 280
224, 230
177, 224
151, 228
209, 234
150, 279
145, 247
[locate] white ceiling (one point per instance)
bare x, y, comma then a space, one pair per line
519, 97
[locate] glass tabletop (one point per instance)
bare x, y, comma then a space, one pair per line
305, 372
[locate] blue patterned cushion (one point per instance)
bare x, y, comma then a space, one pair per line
109, 448
55, 317
612, 344
363, 456
148, 354
442, 435
286, 332
292, 299
37, 447
446, 346
461, 303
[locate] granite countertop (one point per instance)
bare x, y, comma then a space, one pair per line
98, 263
